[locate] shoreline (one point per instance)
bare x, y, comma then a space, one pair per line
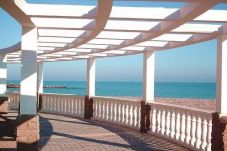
197, 103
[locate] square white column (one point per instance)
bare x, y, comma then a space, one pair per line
148, 76
28, 90
40, 77
91, 77
221, 75
3, 75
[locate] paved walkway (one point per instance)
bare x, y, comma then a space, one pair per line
69, 134
59, 133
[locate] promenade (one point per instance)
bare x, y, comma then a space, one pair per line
60, 133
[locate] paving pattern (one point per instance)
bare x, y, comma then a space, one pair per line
60, 133
70, 134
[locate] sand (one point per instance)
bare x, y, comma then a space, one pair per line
204, 104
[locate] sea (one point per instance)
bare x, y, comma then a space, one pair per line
133, 89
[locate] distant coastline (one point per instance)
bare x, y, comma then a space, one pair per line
18, 86
134, 89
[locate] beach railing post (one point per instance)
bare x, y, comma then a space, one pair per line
219, 133
88, 107
145, 117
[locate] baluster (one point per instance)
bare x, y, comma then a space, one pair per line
77, 106
106, 110
66, 105
167, 132
125, 113
51, 106
114, 111
163, 120
188, 128
182, 130
97, 109
101, 107
58, 105
121, 113
69, 105
47, 103
173, 123
82, 107
128, 114
72, 105
117, 113
158, 123
111, 111
138, 116
52, 103
133, 115
209, 127
94, 109
193, 130
204, 132
198, 132
105, 114
154, 119
177, 127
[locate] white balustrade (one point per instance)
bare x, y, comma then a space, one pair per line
116, 110
186, 126
63, 104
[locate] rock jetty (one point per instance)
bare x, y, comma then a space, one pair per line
18, 86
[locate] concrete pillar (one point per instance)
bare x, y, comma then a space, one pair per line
219, 124
28, 121
148, 90
148, 76
40, 77
221, 75
88, 102
28, 90
91, 77
3, 75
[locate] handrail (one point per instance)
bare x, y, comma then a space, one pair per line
183, 125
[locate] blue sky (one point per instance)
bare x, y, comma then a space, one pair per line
195, 63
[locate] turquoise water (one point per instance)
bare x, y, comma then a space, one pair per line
162, 89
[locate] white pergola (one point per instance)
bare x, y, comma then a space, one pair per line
74, 32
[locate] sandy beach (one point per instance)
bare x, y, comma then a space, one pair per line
204, 104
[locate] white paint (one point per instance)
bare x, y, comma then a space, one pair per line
91, 77
40, 77
148, 76
188, 127
3, 74
221, 75
28, 91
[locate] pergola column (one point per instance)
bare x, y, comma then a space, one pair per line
148, 89
40, 77
28, 121
88, 108
148, 76
91, 77
3, 75
219, 128
4, 104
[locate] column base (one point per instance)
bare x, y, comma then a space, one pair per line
88, 108
4, 104
145, 117
28, 133
219, 133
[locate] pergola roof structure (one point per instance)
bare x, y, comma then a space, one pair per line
72, 32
